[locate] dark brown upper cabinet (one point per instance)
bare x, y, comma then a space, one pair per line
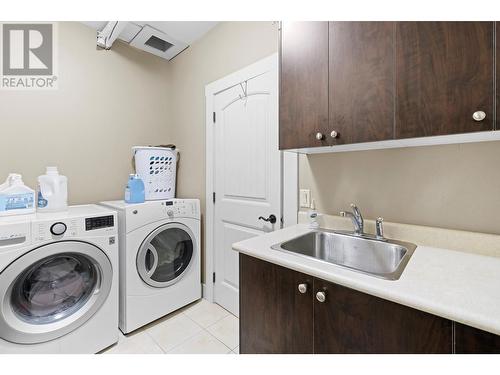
361, 80
303, 84
444, 73
375, 81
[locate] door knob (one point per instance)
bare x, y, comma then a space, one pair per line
271, 219
320, 136
334, 134
302, 288
321, 297
479, 116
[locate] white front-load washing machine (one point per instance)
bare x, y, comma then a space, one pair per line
160, 268
59, 281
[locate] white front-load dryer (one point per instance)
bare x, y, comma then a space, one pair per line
59, 281
160, 269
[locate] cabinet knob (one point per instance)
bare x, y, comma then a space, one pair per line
334, 134
319, 136
321, 297
479, 116
302, 288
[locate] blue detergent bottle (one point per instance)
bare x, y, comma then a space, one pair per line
134, 192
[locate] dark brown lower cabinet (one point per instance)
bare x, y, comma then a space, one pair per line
349, 321
275, 317
470, 340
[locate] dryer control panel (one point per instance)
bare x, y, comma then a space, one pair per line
182, 208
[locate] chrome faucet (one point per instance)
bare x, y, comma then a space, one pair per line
380, 228
357, 219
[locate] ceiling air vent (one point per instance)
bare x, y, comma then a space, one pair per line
158, 43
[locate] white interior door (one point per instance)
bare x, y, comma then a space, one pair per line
247, 173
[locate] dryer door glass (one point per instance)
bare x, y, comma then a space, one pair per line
165, 255
54, 288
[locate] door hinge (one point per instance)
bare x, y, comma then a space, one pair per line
214, 117
213, 277
213, 197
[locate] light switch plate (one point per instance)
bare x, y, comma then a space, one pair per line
305, 198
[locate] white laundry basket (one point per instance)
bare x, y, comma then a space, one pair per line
156, 166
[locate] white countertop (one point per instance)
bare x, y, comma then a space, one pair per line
456, 285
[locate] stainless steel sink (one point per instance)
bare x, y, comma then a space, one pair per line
381, 258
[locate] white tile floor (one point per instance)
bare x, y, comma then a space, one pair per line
200, 328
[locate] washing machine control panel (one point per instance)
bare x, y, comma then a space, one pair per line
51, 229
66, 228
14, 234
100, 222
181, 208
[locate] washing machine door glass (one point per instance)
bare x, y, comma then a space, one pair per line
166, 254
52, 290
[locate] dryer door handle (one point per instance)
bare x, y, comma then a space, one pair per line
150, 268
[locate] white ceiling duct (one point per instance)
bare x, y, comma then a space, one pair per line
107, 36
165, 39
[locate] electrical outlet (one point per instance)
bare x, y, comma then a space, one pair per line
305, 198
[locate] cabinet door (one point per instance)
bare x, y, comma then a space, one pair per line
470, 340
303, 84
361, 81
349, 321
274, 316
497, 127
444, 74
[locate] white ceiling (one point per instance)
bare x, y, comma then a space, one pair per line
185, 31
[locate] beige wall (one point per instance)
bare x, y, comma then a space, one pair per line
228, 47
451, 186
107, 101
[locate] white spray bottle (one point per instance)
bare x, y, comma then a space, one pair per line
312, 215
